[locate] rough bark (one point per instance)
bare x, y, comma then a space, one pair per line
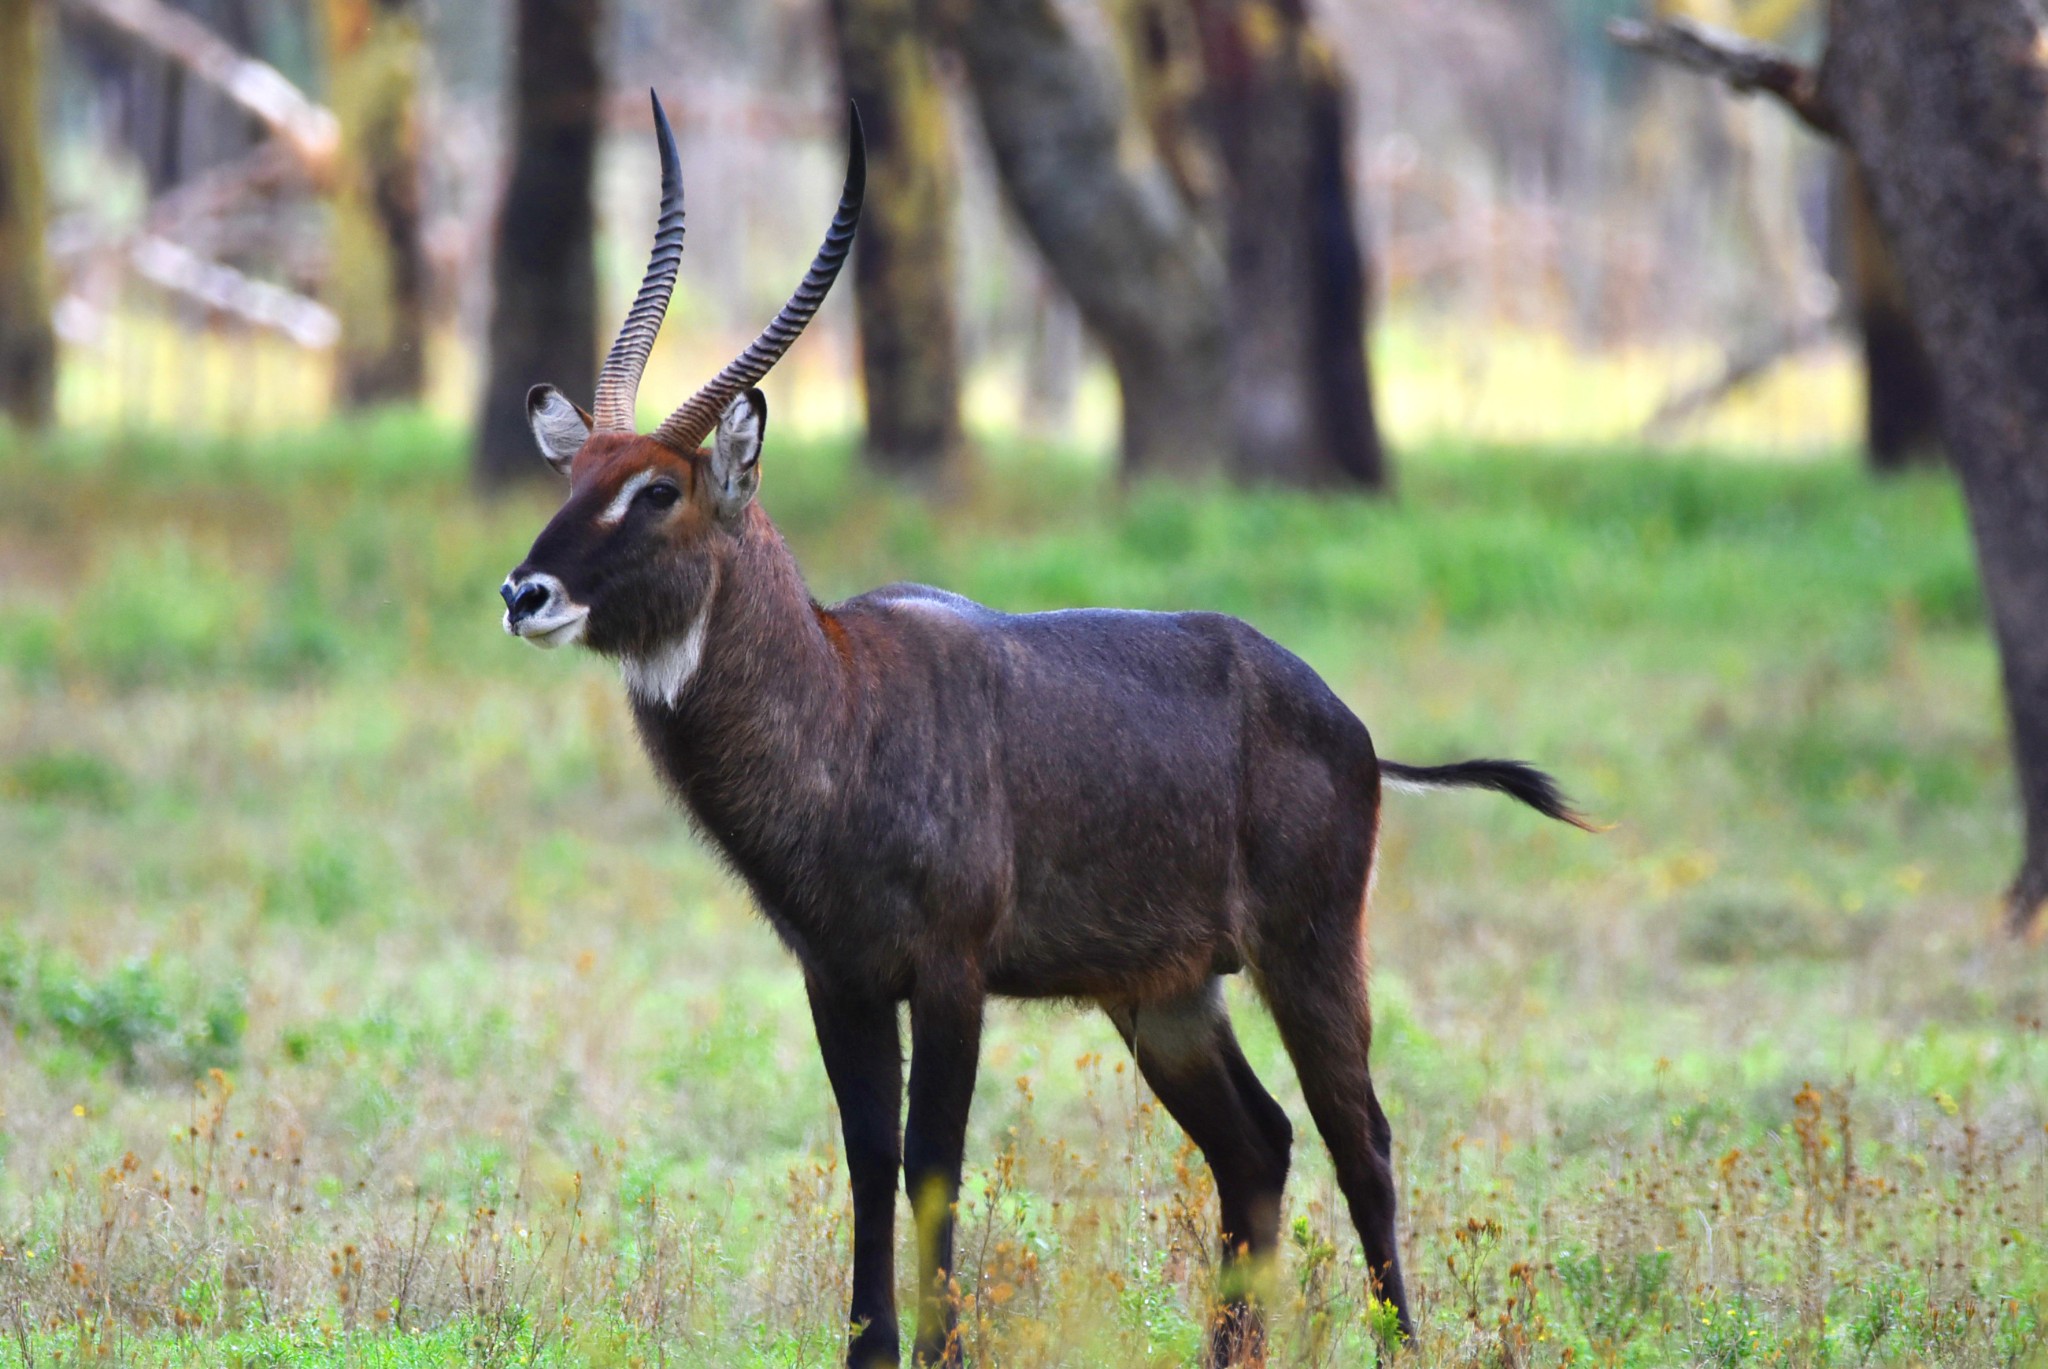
379, 271
543, 271
1946, 108
28, 348
1086, 180
1902, 401
1300, 395
903, 262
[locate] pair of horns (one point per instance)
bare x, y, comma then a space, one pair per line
619, 382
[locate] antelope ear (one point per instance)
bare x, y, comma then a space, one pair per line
558, 426
736, 453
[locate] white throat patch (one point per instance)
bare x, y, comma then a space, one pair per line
659, 678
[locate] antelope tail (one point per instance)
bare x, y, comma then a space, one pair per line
1516, 779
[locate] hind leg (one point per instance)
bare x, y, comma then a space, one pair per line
1190, 1058
1317, 995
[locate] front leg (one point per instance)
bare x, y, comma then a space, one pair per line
863, 1059
945, 1042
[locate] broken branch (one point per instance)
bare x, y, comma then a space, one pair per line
308, 128
1740, 368
1743, 66
223, 289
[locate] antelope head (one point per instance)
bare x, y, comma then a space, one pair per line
627, 566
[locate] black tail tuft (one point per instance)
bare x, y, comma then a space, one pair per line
1516, 779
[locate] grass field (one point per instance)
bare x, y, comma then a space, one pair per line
365, 1003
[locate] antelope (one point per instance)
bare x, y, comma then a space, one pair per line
934, 802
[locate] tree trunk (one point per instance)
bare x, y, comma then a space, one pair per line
379, 273
1946, 109
1300, 397
1902, 405
1052, 362
543, 271
1161, 49
903, 263
1093, 193
28, 348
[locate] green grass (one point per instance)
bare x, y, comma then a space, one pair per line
366, 1004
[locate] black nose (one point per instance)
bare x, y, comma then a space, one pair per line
524, 600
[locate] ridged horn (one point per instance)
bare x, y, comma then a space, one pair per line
687, 427
619, 382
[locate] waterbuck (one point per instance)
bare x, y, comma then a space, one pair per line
934, 802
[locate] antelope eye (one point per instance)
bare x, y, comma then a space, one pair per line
661, 494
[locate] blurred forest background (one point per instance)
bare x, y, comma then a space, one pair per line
1565, 243
365, 1002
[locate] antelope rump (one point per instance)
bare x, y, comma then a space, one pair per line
933, 802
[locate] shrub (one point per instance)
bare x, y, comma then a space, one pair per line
142, 1015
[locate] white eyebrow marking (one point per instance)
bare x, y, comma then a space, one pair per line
623, 500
